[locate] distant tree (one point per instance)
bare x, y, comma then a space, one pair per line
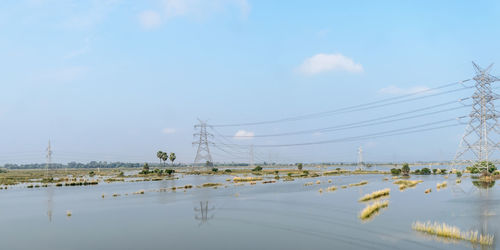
215, 170
159, 154
169, 171
258, 168
164, 157
459, 174
395, 171
434, 171
405, 169
145, 169
172, 158
299, 166
425, 171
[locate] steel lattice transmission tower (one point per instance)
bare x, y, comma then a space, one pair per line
203, 152
49, 158
481, 136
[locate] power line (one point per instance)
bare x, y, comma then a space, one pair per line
358, 107
369, 136
369, 122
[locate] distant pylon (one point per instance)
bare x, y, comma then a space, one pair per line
360, 157
49, 158
203, 152
483, 122
251, 156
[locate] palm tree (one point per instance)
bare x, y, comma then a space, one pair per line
172, 158
164, 157
159, 155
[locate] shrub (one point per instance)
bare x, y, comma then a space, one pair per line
306, 172
299, 166
425, 171
477, 167
395, 171
443, 171
434, 170
277, 172
91, 173
417, 171
169, 171
228, 171
405, 169
258, 168
459, 174
215, 170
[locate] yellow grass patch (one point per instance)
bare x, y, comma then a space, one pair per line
453, 232
370, 210
375, 195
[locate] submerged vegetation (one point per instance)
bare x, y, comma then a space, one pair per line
448, 231
441, 185
374, 195
403, 184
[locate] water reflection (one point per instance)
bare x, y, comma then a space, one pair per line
203, 217
50, 196
484, 184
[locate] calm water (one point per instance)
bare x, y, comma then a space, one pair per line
282, 215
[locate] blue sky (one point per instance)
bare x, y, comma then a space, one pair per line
119, 80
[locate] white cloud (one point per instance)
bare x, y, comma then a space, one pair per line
243, 134
329, 62
191, 8
394, 90
149, 19
168, 131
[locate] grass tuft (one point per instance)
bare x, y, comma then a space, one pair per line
370, 210
453, 232
441, 185
375, 195
358, 184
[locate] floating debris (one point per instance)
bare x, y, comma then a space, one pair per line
139, 192
271, 181
358, 184
375, 195
209, 184
370, 210
453, 232
442, 185
240, 179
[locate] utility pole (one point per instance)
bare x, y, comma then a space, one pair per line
203, 152
483, 119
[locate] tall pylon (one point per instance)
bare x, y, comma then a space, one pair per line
203, 152
49, 159
482, 133
360, 157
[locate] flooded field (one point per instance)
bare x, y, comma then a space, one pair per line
281, 215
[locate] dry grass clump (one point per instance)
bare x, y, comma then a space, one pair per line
253, 183
308, 184
210, 184
116, 195
329, 181
344, 186
375, 195
395, 178
448, 231
442, 185
403, 184
240, 179
331, 189
68, 213
386, 179
428, 190
370, 210
320, 190
458, 181
358, 184
318, 182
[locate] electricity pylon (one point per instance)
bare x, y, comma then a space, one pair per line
49, 158
482, 132
360, 157
203, 152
